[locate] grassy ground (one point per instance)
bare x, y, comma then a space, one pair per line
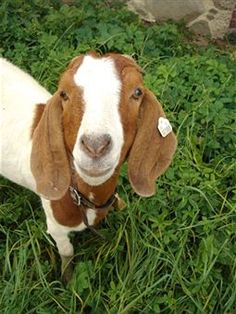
172, 253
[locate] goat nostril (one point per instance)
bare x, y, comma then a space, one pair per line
105, 141
96, 145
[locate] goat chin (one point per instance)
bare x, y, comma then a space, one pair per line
95, 178
95, 171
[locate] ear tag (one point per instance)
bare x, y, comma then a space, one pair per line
164, 126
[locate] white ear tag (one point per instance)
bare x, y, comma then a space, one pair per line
164, 126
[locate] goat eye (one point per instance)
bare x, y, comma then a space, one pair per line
137, 93
64, 95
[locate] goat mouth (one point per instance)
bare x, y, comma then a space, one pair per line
95, 172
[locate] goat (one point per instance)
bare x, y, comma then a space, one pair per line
69, 147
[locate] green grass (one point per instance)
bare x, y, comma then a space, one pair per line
172, 253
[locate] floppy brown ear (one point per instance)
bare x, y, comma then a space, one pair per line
151, 153
49, 162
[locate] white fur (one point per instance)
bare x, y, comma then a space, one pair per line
101, 88
60, 233
19, 94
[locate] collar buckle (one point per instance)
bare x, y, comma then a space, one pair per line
75, 196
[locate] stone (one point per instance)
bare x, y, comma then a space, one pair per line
200, 26
224, 4
140, 8
220, 24
162, 10
213, 11
205, 17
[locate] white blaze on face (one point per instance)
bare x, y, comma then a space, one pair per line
101, 86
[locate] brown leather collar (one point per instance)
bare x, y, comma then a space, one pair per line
80, 199
82, 202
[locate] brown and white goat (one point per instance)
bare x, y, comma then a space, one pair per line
100, 116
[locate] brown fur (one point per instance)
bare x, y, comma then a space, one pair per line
39, 109
49, 162
66, 212
129, 107
148, 153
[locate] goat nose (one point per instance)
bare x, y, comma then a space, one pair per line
96, 145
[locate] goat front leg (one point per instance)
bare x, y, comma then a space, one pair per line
60, 235
66, 252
